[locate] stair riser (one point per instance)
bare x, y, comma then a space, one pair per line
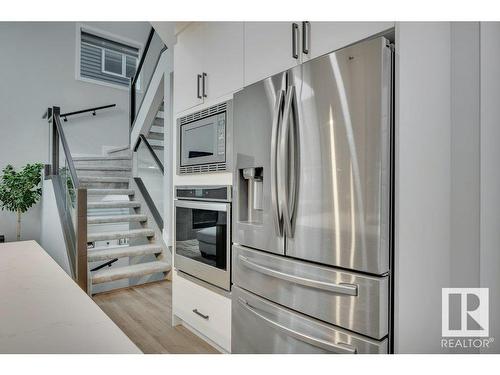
155, 136
96, 220
104, 192
105, 185
112, 205
105, 279
105, 237
99, 258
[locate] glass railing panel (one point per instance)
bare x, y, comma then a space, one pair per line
151, 58
151, 175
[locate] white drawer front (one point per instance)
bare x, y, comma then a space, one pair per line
205, 310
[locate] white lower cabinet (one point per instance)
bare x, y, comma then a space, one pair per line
205, 310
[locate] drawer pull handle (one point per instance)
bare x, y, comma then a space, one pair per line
340, 288
200, 314
338, 347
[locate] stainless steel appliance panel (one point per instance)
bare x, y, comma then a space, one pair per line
260, 326
341, 215
257, 111
202, 244
347, 299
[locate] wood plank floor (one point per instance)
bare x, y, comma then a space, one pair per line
144, 313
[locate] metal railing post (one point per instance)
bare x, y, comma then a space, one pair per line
132, 101
56, 111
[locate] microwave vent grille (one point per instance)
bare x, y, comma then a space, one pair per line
204, 113
205, 168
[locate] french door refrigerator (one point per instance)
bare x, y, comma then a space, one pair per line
312, 206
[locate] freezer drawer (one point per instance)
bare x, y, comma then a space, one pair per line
260, 326
347, 299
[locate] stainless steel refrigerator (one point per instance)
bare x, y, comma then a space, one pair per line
312, 215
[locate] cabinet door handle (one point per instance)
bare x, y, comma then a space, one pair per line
295, 49
306, 27
204, 85
200, 314
198, 78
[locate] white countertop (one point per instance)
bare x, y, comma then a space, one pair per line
42, 310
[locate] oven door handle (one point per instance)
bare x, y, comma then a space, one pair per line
339, 288
337, 347
201, 205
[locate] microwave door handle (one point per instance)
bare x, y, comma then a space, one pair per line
338, 347
274, 164
198, 86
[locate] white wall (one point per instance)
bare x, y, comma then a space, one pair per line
52, 237
490, 172
37, 70
447, 175
423, 131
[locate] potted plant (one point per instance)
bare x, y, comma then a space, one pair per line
19, 191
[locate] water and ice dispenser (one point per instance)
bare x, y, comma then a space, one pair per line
251, 195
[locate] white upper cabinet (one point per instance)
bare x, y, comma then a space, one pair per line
214, 59
319, 38
269, 49
208, 63
223, 59
272, 47
188, 57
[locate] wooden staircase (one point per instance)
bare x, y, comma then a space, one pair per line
114, 214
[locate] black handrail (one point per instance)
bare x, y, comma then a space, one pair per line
134, 79
108, 263
158, 162
93, 110
48, 113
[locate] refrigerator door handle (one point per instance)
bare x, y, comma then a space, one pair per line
295, 41
338, 347
289, 167
341, 288
275, 166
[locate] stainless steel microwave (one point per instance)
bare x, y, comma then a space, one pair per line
204, 140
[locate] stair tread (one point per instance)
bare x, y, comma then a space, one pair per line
103, 179
102, 168
116, 218
103, 158
135, 270
94, 255
110, 192
114, 204
144, 232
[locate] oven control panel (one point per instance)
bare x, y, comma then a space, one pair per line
206, 193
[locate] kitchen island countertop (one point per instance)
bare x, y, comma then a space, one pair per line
42, 310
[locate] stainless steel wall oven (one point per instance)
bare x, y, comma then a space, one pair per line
203, 233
